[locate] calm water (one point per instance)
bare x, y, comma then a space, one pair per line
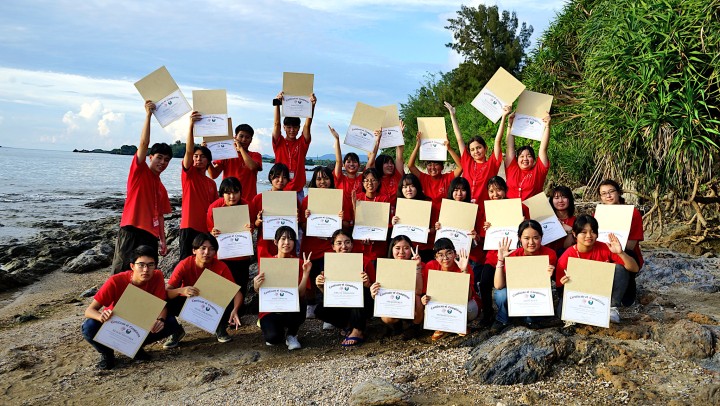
40, 186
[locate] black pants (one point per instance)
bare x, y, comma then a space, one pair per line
240, 270
486, 276
187, 235
344, 317
174, 307
317, 267
91, 326
128, 239
275, 325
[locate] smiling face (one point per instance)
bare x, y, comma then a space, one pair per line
402, 250
609, 194
434, 169
531, 241
204, 254
143, 269
286, 245
158, 163
586, 238
322, 181
279, 182
371, 183
291, 131
477, 151
351, 166
342, 243
496, 193
560, 202
446, 259
388, 168
525, 160
459, 194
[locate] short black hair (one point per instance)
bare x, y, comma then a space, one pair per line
498, 182
584, 220
478, 139
205, 151
230, 185
338, 232
144, 251
459, 183
161, 148
246, 128
278, 170
529, 148
410, 179
530, 224
443, 244
618, 189
200, 239
352, 157
285, 230
292, 121
374, 172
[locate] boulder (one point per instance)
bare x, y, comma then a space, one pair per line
686, 339
99, 256
517, 356
376, 392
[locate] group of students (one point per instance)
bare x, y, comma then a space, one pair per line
474, 180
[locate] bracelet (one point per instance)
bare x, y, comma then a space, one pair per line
160, 319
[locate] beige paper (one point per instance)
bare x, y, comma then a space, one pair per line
279, 203
372, 214
325, 201
343, 267
280, 272
534, 104
591, 277
614, 216
527, 272
539, 207
298, 84
157, 85
414, 212
396, 274
504, 213
460, 215
215, 288
505, 86
210, 102
432, 127
368, 117
139, 307
231, 219
448, 287
392, 118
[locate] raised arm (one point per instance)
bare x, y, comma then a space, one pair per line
373, 153
247, 159
338, 154
458, 166
544, 141
456, 128
509, 143
400, 151
413, 156
190, 141
276, 124
497, 147
308, 121
145, 134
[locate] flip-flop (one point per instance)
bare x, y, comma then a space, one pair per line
438, 335
353, 341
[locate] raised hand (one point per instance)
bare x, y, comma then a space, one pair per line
614, 244
307, 265
462, 260
334, 133
450, 108
503, 249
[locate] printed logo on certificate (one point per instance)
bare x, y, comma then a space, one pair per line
223, 148
530, 302
414, 233
279, 300
202, 313
121, 335
369, 233
320, 225
494, 235
586, 298
488, 104
343, 294
446, 317
433, 150
391, 137
586, 309
171, 108
359, 137
460, 238
398, 304
272, 223
297, 106
233, 245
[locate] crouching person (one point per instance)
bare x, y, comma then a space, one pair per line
144, 275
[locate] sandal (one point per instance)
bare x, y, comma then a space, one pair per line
352, 341
438, 335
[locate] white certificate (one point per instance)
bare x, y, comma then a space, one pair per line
398, 304
121, 335
211, 125
494, 235
323, 225
622, 236
343, 294
272, 223
586, 308
414, 233
488, 104
391, 137
369, 233
222, 149
359, 137
528, 127
202, 313
171, 108
445, 317
552, 230
433, 149
460, 238
233, 245
296, 106
530, 302
279, 300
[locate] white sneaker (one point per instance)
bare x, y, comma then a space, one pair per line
614, 315
327, 326
568, 323
310, 312
292, 343
269, 344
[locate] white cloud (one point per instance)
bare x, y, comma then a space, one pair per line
111, 122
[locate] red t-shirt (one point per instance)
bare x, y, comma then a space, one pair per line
477, 174
318, 246
520, 252
636, 233
599, 252
435, 265
376, 249
115, 286
198, 192
389, 186
525, 183
292, 153
300, 275
146, 199
236, 167
436, 188
211, 221
186, 272
560, 243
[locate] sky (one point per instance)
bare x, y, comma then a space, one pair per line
68, 68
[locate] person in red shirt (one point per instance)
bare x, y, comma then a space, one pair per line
585, 231
448, 260
371, 193
291, 150
351, 321
145, 276
245, 167
435, 183
530, 234
350, 181
185, 276
526, 175
476, 167
231, 195
401, 248
410, 188
563, 203
198, 191
611, 193
391, 171
277, 327
460, 192
142, 221
278, 177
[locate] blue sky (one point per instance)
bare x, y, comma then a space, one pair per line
68, 67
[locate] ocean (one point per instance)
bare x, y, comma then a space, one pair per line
40, 187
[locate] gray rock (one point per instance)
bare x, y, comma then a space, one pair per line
89, 292
210, 374
517, 356
99, 256
686, 339
664, 270
376, 392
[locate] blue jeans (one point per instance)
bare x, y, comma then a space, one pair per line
91, 326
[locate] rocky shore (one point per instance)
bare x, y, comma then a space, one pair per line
666, 350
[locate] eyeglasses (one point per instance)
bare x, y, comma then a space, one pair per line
143, 265
447, 255
608, 193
